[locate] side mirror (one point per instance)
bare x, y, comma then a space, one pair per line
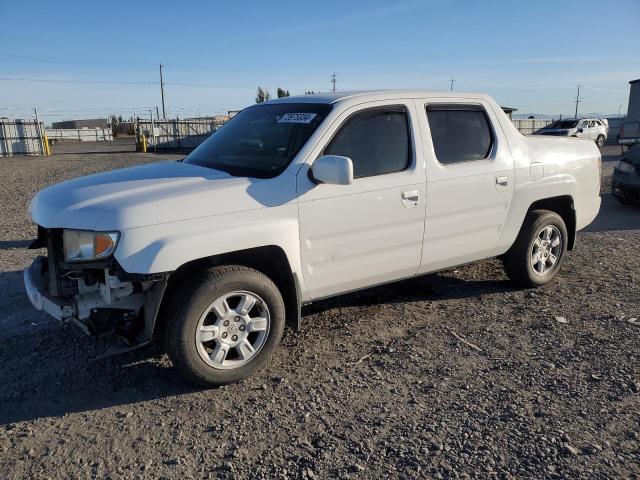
580, 130
333, 170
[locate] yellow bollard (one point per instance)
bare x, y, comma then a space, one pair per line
144, 143
47, 148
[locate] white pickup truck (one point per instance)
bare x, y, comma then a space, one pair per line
298, 199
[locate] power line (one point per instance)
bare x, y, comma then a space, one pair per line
118, 82
92, 82
72, 61
211, 85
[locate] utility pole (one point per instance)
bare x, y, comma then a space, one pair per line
164, 116
333, 81
452, 80
577, 102
157, 113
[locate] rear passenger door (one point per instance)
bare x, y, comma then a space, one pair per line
470, 180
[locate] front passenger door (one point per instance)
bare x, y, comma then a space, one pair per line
584, 126
371, 231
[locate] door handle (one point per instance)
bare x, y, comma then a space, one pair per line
411, 195
502, 181
410, 198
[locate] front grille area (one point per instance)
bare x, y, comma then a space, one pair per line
63, 275
59, 280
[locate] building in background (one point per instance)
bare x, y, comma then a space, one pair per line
633, 110
217, 120
509, 111
89, 123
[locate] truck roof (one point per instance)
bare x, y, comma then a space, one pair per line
372, 95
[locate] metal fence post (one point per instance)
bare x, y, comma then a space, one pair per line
178, 132
8, 151
39, 130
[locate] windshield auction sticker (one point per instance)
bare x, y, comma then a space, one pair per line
297, 118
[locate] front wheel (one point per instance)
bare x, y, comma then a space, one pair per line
223, 325
600, 141
539, 250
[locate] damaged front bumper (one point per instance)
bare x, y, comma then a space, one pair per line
98, 300
55, 307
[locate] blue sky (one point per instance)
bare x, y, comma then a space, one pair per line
527, 54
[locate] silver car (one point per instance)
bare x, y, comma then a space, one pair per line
594, 128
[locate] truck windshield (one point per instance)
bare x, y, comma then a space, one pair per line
260, 141
563, 124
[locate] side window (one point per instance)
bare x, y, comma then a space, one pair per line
377, 140
460, 133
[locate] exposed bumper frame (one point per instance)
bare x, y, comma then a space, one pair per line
40, 301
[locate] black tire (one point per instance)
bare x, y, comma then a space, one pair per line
517, 261
186, 305
600, 141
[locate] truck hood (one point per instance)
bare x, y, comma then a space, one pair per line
152, 194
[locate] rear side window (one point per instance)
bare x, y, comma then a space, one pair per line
460, 133
377, 141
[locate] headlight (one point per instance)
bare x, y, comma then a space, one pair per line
82, 245
625, 167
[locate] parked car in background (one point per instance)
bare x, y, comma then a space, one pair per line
629, 134
625, 182
593, 128
299, 199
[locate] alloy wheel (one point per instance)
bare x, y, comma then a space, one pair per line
546, 250
233, 329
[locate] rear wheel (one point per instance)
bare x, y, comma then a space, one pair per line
223, 325
600, 141
539, 250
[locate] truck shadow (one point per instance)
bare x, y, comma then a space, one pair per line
9, 244
47, 372
615, 216
432, 287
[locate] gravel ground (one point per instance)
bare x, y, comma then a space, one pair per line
452, 375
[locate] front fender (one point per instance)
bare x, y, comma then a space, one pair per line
165, 247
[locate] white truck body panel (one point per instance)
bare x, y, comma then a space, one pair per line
336, 238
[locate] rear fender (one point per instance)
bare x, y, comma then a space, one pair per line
527, 195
